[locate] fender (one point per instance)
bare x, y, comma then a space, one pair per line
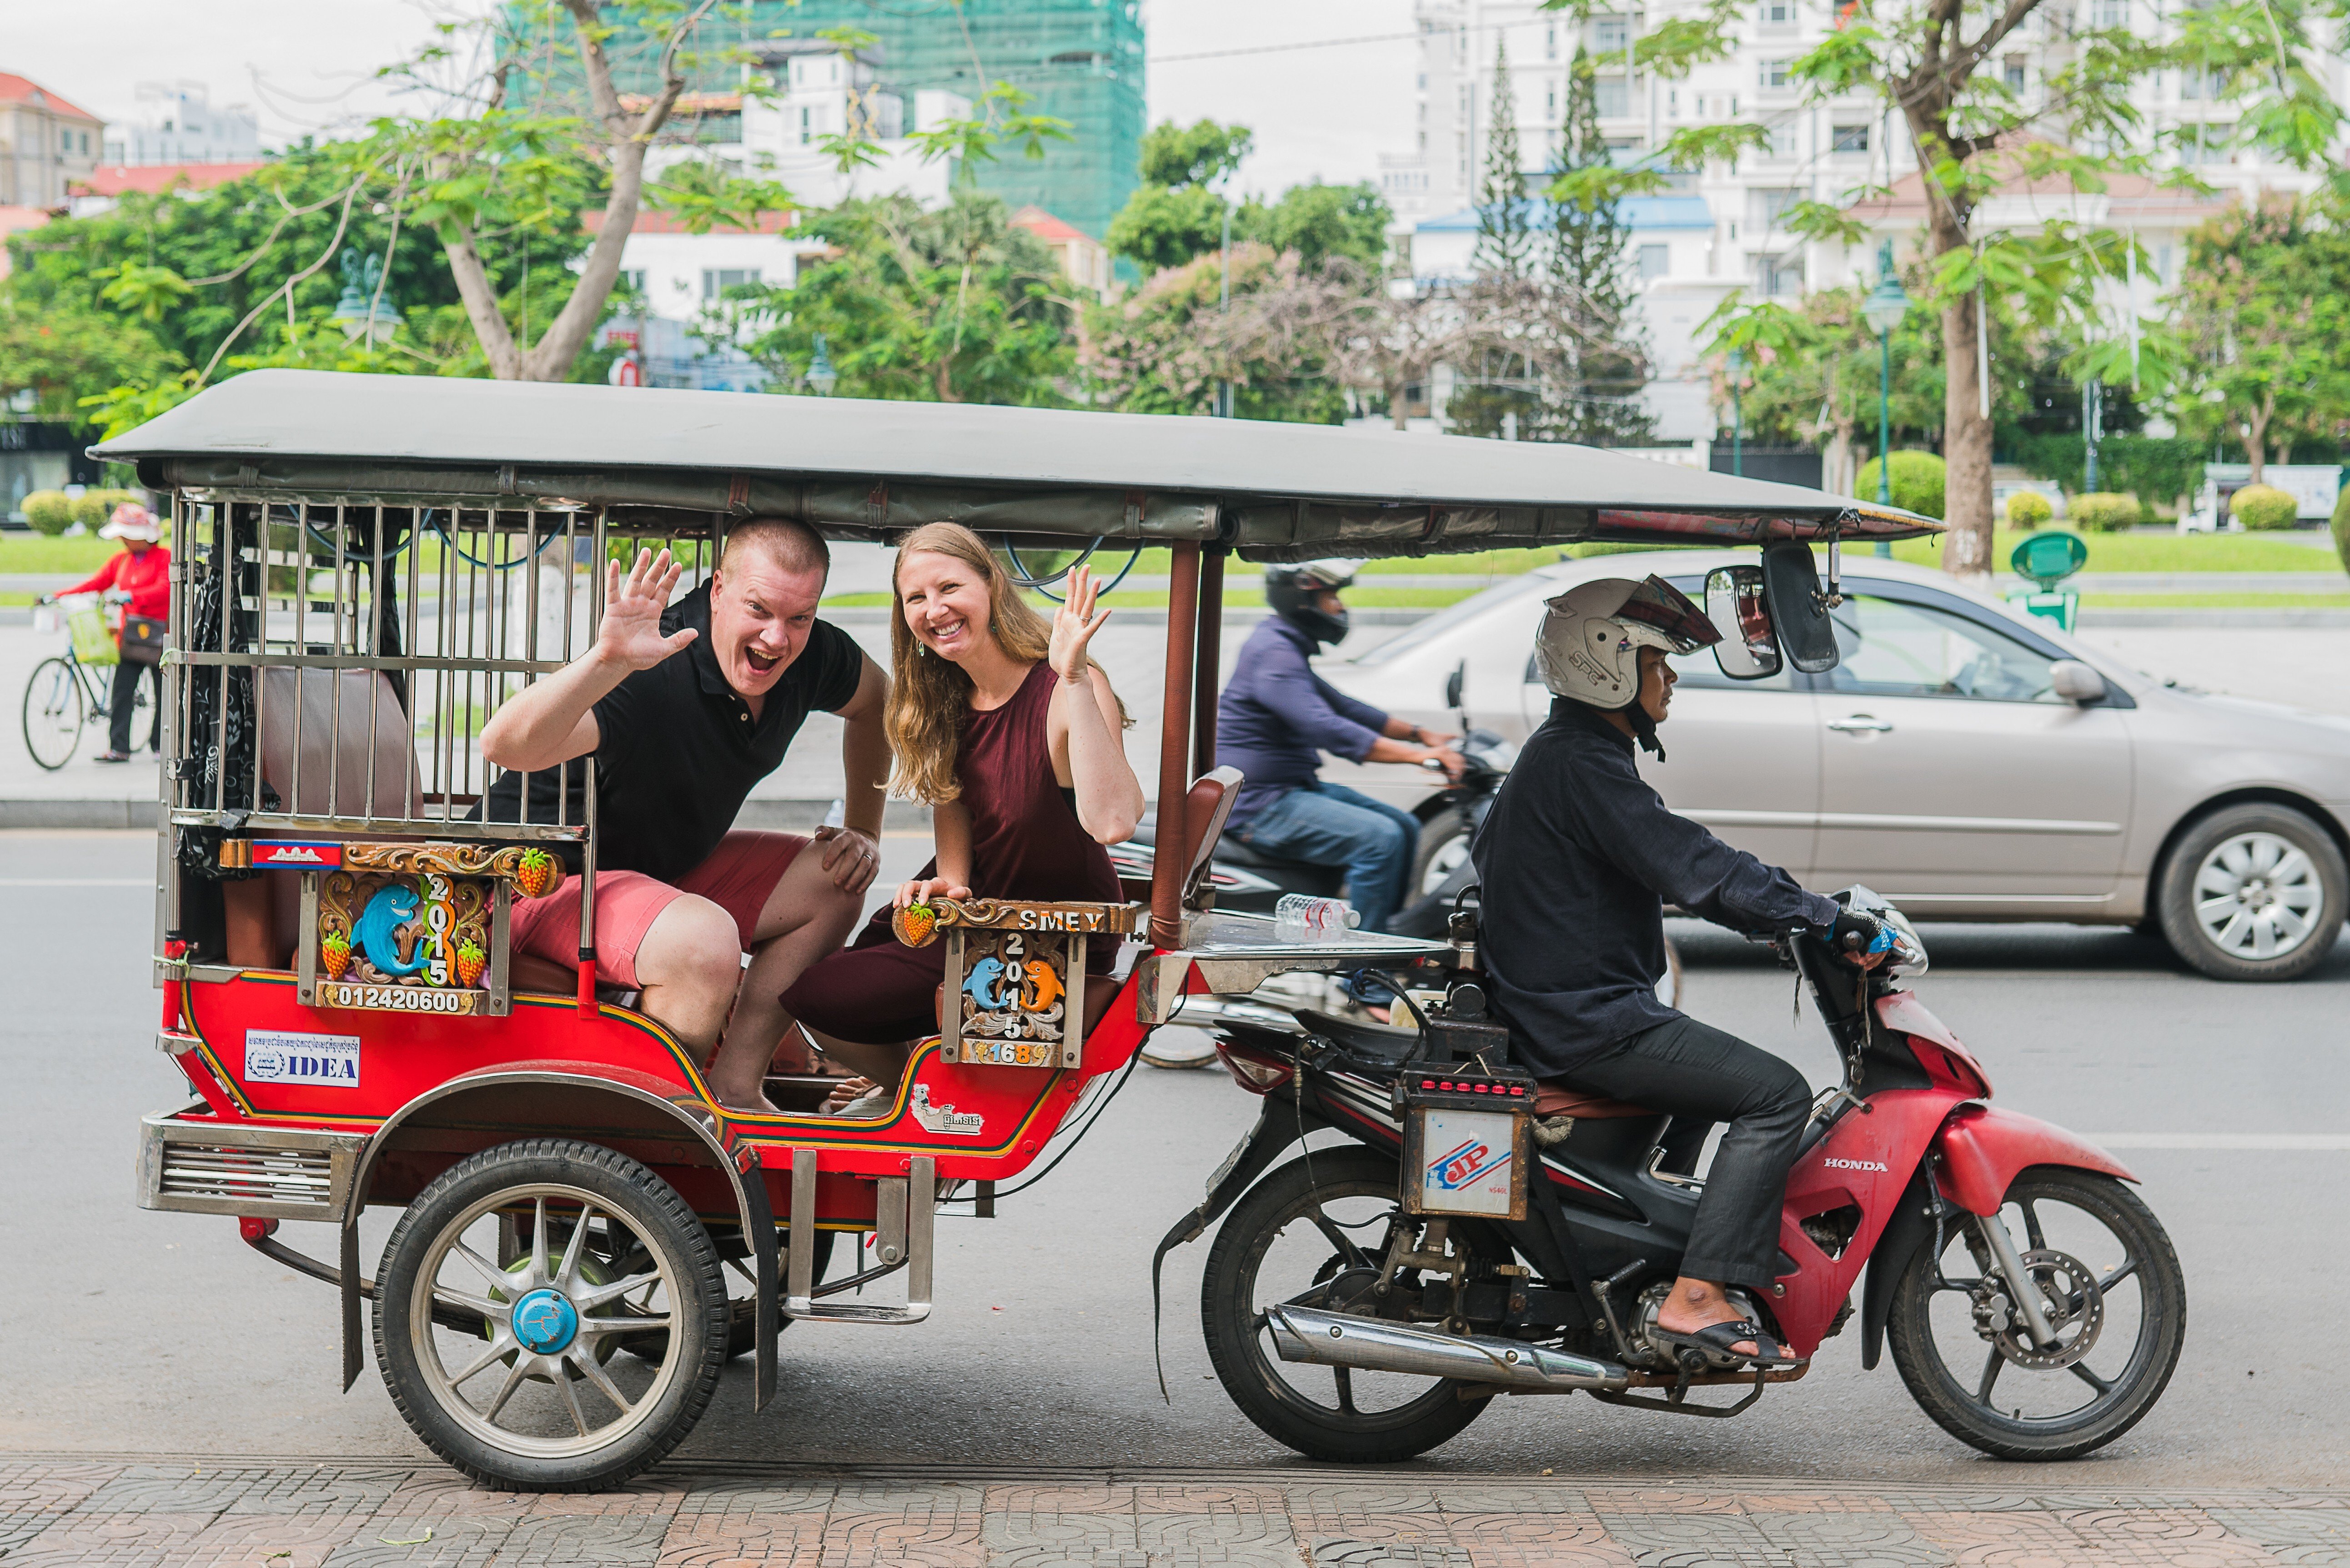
640, 1089
1982, 1147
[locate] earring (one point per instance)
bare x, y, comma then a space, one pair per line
921, 650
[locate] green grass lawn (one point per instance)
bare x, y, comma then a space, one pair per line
2158, 553
38, 552
2216, 601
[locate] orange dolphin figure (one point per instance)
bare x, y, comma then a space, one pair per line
1043, 987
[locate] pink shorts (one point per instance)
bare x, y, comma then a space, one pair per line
738, 876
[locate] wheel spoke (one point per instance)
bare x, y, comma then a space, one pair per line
538, 1242
2081, 1370
1989, 1376
1352, 1254
505, 1389
567, 1270
588, 1325
594, 1372
497, 1278
583, 1299
2032, 1227
496, 1312
1345, 1377
570, 1398
503, 1345
2121, 1272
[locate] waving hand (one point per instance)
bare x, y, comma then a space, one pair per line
630, 635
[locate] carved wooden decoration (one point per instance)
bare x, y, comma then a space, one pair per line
1015, 997
916, 925
409, 940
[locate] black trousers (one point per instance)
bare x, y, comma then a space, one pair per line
1697, 1076
125, 702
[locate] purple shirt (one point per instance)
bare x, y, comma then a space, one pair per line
1276, 717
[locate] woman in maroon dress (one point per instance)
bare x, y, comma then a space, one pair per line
1012, 737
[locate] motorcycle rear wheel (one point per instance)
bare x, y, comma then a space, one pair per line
1349, 1190
2139, 1323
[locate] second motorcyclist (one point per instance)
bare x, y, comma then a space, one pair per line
1577, 860
1275, 719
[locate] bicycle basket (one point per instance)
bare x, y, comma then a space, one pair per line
93, 639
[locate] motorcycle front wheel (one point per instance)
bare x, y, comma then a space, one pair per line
2110, 1285
1313, 1233
1443, 845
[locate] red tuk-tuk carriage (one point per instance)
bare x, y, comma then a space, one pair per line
364, 568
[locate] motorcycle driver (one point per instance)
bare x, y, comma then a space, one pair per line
1276, 714
1577, 860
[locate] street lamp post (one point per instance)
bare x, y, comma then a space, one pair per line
1737, 414
1883, 310
363, 312
821, 377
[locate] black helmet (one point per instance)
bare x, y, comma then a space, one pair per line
1291, 591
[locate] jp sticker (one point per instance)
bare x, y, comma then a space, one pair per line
330, 1061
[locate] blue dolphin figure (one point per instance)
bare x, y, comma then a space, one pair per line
983, 984
392, 906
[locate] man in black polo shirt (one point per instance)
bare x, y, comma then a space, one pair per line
684, 708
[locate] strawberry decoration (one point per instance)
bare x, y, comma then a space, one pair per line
334, 952
916, 925
470, 961
537, 875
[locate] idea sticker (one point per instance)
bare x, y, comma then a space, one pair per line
330, 1061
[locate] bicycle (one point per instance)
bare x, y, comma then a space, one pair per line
63, 696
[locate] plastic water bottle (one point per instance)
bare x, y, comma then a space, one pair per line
1303, 918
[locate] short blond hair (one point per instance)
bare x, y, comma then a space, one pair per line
791, 545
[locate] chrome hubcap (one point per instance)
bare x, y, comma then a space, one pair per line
1444, 863
2257, 896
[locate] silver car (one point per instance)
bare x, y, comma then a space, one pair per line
1967, 761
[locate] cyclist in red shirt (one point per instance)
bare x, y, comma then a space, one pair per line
143, 571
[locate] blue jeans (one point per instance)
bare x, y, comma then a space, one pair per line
1330, 824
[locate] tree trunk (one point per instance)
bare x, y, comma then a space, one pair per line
2254, 429
550, 359
1966, 446
1399, 402
481, 298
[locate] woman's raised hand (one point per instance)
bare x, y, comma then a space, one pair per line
631, 633
1075, 623
919, 892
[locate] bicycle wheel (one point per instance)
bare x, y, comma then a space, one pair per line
53, 713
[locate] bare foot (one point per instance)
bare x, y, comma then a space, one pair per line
1697, 1304
846, 1091
730, 1097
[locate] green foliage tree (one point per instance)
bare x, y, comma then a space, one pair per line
1317, 221
2341, 526
2157, 469
1504, 240
1204, 153
1936, 67
1811, 374
2258, 317
1164, 349
1178, 213
951, 306
1165, 226
1597, 406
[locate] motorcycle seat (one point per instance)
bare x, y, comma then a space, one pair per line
1555, 1097
1367, 1041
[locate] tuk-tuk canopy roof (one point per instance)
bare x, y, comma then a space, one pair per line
860, 469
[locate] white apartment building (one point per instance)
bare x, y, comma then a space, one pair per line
1825, 153
177, 123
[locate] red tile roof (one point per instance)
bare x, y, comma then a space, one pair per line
153, 179
1045, 226
21, 89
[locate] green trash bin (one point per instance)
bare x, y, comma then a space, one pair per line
2047, 559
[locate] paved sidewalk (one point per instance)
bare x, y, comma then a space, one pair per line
341, 1514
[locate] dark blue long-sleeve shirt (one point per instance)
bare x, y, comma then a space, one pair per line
1577, 861
1276, 717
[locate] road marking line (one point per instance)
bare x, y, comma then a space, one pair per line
77, 882
2271, 1141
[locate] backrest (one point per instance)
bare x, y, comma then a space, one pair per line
1206, 808
336, 747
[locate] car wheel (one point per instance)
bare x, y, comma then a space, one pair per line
2253, 892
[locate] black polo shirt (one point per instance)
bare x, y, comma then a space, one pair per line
680, 749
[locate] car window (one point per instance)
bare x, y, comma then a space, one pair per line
1889, 649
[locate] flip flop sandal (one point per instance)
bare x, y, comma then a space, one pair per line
1716, 1339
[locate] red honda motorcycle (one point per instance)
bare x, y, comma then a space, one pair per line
1496, 1235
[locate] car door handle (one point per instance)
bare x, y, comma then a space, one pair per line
1860, 721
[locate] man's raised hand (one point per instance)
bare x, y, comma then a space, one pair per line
630, 635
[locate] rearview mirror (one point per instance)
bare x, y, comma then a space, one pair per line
1749, 649
1453, 683
1799, 608
2076, 681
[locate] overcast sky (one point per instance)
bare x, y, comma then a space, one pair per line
308, 65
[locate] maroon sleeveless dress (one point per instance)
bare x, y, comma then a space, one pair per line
1025, 843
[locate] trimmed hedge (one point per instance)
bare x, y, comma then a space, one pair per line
2028, 510
2102, 510
2342, 528
2264, 506
1916, 483
50, 512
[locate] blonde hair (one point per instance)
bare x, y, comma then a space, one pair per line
928, 696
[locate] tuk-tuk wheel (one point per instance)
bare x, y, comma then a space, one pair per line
503, 1364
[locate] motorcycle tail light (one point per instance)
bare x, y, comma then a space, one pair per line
1258, 1077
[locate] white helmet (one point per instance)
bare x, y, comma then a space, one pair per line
1586, 649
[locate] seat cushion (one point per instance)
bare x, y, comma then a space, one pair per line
1555, 1097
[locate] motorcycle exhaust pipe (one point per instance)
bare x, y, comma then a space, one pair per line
1335, 1339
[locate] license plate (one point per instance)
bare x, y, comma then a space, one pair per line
1468, 1163
1012, 1053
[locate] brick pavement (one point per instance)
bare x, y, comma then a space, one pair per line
257, 1513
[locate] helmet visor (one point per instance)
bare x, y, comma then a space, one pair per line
1661, 608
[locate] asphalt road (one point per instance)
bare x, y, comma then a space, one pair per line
143, 1333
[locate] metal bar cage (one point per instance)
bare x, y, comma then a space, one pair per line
334, 661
